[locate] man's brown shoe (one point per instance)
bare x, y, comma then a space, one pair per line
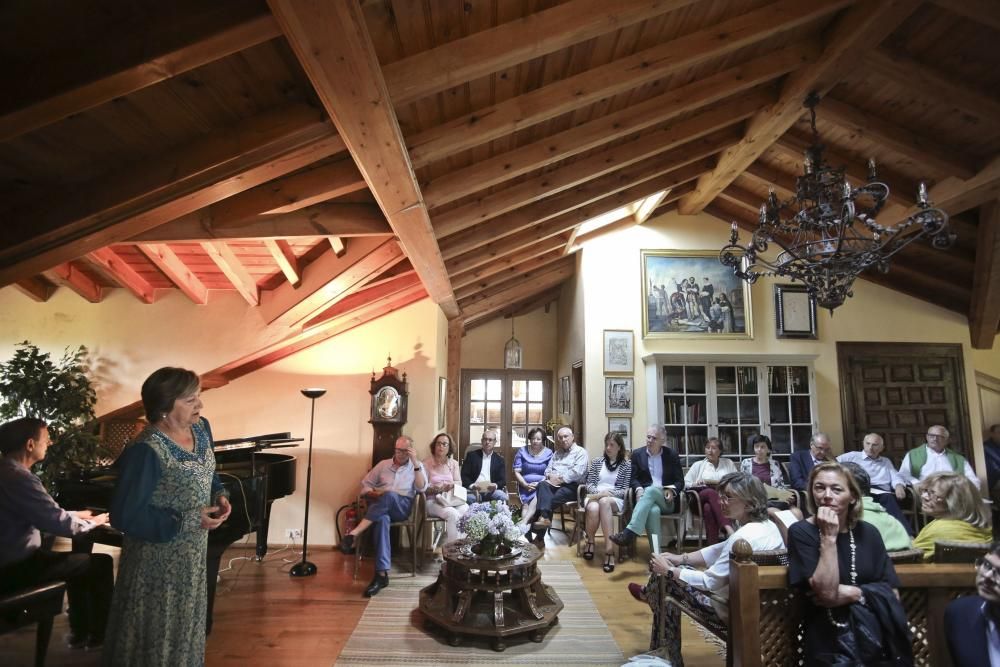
542, 524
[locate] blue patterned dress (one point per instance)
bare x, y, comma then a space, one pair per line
532, 469
158, 610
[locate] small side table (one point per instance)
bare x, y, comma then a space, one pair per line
493, 598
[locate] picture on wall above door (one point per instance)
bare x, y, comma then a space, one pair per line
690, 294
618, 395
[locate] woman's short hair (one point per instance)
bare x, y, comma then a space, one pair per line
750, 490
451, 443
961, 497
618, 439
760, 437
531, 434
861, 476
855, 510
165, 386
15, 434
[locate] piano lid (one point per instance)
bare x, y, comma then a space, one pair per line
265, 441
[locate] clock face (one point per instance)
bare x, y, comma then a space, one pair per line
387, 403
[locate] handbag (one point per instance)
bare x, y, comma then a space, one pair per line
454, 498
858, 640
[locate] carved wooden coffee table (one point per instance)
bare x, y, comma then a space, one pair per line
493, 598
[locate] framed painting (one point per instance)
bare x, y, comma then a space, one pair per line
623, 426
442, 401
619, 394
564, 395
794, 312
619, 352
690, 294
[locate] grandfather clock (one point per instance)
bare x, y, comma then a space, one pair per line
389, 398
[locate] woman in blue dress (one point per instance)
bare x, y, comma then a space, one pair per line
167, 499
530, 463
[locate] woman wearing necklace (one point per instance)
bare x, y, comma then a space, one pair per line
530, 463
842, 563
607, 483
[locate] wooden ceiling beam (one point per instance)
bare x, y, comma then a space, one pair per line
283, 255
614, 126
522, 218
69, 275
649, 66
374, 291
921, 150
503, 264
140, 197
522, 307
337, 245
984, 314
510, 267
329, 219
329, 279
861, 28
782, 182
931, 84
332, 43
36, 288
712, 118
523, 287
170, 44
167, 261
119, 270
672, 196
985, 12
233, 269
514, 42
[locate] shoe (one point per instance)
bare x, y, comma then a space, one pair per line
637, 593
347, 544
542, 524
588, 551
609, 562
624, 538
76, 641
378, 583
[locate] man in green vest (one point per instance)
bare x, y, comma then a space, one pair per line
934, 456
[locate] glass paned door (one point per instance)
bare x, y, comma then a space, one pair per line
685, 409
789, 401
738, 408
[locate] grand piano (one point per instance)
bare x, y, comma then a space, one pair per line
254, 478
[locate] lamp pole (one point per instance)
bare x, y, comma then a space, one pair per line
305, 568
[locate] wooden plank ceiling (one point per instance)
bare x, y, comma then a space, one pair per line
333, 161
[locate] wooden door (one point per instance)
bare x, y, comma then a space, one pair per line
898, 390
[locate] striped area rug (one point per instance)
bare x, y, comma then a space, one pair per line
392, 631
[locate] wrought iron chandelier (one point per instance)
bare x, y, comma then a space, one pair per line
826, 233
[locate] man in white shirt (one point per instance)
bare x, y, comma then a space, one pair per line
934, 456
886, 484
565, 471
486, 470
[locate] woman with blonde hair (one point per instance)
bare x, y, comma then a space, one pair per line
958, 511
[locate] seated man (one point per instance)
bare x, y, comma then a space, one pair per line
657, 479
482, 469
886, 484
970, 623
566, 469
803, 461
934, 456
390, 487
25, 509
894, 532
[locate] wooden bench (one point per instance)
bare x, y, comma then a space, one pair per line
38, 604
766, 616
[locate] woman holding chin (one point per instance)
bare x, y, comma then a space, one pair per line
167, 499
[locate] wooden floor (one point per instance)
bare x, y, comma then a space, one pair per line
264, 617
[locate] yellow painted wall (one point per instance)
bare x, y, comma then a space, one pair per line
610, 277
482, 347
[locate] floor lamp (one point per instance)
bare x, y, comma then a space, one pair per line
305, 568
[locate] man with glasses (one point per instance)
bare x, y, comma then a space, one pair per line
934, 456
390, 486
971, 623
482, 469
803, 461
657, 479
886, 484
566, 469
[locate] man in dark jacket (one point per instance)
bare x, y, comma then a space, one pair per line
804, 460
485, 470
971, 623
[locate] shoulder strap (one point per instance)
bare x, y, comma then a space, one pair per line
918, 457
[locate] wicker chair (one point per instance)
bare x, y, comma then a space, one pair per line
413, 525
37, 604
621, 520
959, 552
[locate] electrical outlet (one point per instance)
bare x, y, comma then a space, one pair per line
293, 533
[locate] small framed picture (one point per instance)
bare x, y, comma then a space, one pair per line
564, 398
619, 352
622, 425
794, 312
618, 395
442, 401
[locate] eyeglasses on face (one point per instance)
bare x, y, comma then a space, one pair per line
726, 498
932, 495
939, 436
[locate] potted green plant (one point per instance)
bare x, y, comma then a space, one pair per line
60, 392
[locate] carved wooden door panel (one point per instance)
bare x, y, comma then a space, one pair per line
898, 390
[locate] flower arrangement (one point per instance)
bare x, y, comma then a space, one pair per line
492, 526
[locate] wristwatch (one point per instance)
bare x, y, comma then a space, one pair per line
417, 468
684, 559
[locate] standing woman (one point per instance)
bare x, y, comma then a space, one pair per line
442, 477
608, 481
530, 463
167, 499
842, 562
703, 477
